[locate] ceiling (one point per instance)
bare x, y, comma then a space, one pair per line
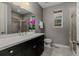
48, 4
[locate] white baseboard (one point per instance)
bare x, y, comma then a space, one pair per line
60, 45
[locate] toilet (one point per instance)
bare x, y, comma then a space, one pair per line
48, 42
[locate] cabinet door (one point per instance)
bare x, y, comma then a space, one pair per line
29, 51
11, 51
40, 45
8, 52
27, 48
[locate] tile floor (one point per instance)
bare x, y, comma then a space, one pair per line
57, 51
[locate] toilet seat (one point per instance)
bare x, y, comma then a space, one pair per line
47, 43
48, 40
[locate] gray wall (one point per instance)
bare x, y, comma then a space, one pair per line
58, 35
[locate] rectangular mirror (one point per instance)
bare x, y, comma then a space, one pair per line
14, 19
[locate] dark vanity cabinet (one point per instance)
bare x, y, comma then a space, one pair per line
33, 47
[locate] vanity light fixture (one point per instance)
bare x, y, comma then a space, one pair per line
25, 5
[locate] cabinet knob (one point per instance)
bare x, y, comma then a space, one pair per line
11, 51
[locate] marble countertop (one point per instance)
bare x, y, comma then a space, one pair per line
14, 40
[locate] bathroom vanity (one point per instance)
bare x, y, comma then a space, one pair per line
17, 31
22, 45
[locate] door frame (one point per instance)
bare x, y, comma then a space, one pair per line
73, 46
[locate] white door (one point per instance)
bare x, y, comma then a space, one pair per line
72, 32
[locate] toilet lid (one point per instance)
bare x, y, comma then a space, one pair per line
48, 40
